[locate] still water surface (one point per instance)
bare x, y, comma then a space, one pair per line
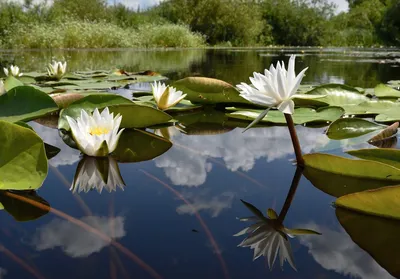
177, 214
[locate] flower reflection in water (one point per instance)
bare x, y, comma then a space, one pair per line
268, 236
97, 173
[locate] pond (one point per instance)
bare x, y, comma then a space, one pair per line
178, 212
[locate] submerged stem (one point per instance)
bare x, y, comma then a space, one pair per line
295, 140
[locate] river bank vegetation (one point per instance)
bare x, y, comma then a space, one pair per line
197, 23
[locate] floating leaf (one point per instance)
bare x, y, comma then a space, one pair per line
339, 94
382, 90
305, 100
338, 176
387, 133
138, 145
346, 128
90, 86
139, 116
24, 103
51, 151
371, 107
300, 115
89, 103
11, 82
390, 115
208, 91
15, 204
23, 162
387, 156
379, 237
383, 202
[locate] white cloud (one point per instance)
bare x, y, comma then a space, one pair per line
335, 251
67, 155
214, 206
189, 166
3, 272
76, 241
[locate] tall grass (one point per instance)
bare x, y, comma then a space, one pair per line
84, 34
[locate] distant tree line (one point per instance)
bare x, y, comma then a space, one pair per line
231, 22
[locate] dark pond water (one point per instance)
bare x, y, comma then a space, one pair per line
177, 214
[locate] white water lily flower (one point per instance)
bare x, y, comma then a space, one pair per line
166, 96
97, 134
275, 88
57, 69
13, 71
97, 173
2, 88
268, 237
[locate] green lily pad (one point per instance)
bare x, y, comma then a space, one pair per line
346, 128
382, 90
23, 162
390, 115
339, 94
383, 202
11, 82
89, 103
90, 86
204, 90
133, 115
387, 156
375, 235
308, 100
371, 107
21, 210
300, 115
24, 103
138, 145
338, 176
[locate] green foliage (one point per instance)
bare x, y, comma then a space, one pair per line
97, 24
238, 22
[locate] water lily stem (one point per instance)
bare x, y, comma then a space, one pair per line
295, 140
290, 195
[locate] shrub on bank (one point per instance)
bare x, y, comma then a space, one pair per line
84, 34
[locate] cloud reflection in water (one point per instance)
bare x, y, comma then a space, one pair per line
335, 251
75, 241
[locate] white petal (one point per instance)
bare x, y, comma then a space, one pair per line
286, 107
259, 99
296, 83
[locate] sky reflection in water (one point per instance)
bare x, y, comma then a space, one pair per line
178, 212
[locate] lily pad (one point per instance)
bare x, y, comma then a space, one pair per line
204, 90
387, 156
382, 90
300, 116
375, 235
383, 202
11, 82
89, 103
391, 115
90, 86
346, 128
371, 107
24, 103
385, 135
15, 204
138, 145
339, 94
23, 162
338, 176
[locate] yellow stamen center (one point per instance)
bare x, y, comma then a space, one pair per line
98, 131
